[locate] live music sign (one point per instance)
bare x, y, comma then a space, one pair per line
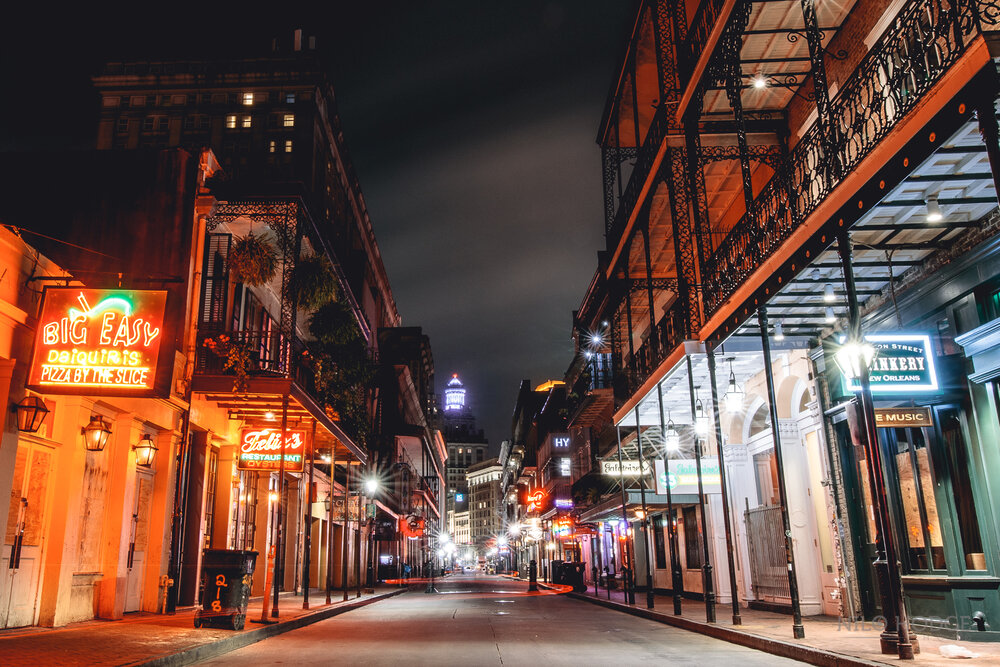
260, 449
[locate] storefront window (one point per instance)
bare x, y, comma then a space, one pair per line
955, 446
659, 524
925, 550
692, 545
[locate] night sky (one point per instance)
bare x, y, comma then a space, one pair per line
471, 126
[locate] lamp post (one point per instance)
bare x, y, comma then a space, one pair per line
895, 637
644, 521
671, 442
700, 420
371, 488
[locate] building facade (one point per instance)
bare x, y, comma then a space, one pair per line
485, 513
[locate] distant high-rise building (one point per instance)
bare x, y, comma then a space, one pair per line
467, 445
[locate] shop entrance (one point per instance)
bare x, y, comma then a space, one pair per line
139, 540
21, 563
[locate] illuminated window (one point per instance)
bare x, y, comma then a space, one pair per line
271, 145
289, 98
246, 121
231, 121
288, 120
247, 99
564, 466
288, 145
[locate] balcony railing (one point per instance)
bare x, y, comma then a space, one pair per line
669, 332
914, 53
696, 38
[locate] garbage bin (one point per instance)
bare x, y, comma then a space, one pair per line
572, 575
556, 568
226, 578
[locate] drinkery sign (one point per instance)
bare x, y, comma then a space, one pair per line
260, 449
902, 363
92, 341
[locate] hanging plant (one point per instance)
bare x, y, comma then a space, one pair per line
253, 260
235, 357
313, 282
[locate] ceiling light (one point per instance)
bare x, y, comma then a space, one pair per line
734, 394
779, 333
828, 294
831, 317
595, 339
934, 210
759, 81
700, 419
269, 415
671, 438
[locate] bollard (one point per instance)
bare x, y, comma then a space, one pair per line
532, 576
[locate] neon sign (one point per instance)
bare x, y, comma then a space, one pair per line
260, 449
535, 500
98, 341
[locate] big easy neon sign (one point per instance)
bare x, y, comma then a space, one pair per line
260, 449
98, 341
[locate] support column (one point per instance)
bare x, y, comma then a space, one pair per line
675, 572
824, 121
730, 550
278, 551
645, 514
708, 585
626, 579
798, 631
895, 638
307, 528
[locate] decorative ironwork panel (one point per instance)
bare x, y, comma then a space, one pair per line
696, 36
673, 171
914, 53
772, 156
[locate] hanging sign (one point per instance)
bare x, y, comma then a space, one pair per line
902, 363
628, 468
260, 449
535, 501
900, 417
683, 477
98, 341
353, 509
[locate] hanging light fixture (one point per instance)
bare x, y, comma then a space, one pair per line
759, 81
831, 317
779, 332
734, 394
828, 294
934, 210
145, 451
700, 418
96, 433
31, 413
671, 438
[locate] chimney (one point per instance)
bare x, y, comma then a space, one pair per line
298, 41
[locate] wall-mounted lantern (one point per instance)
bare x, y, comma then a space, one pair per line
145, 451
31, 413
96, 433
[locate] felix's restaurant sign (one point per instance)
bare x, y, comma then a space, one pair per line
98, 341
260, 449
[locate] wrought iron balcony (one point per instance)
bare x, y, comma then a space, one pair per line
669, 332
696, 37
913, 54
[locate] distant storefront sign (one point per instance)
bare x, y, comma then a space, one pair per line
99, 341
902, 363
683, 477
628, 468
900, 417
260, 449
337, 509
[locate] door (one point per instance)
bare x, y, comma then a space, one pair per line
139, 540
21, 560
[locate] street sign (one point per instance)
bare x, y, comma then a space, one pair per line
630, 467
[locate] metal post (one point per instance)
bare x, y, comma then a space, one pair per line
893, 639
675, 572
343, 532
629, 593
987, 116
708, 585
278, 560
329, 528
307, 540
645, 516
798, 631
730, 551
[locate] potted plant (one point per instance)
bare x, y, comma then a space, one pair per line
253, 260
313, 282
235, 357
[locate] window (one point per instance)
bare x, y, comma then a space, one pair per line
203, 122
247, 99
188, 122
180, 100
110, 102
148, 123
211, 481
271, 145
288, 145
955, 444
247, 120
658, 525
564, 466
161, 123
925, 549
692, 543
231, 121
123, 124
137, 100
289, 98
288, 120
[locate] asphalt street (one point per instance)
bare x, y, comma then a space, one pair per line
476, 619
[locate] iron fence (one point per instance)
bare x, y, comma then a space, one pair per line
768, 562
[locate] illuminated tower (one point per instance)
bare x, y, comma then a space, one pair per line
454, 396
467, 446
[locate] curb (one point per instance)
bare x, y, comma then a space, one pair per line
237, 641
778, 647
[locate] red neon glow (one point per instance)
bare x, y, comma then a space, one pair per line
101, 341
260, 449
535, 500
412, 527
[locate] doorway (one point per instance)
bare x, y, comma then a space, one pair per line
139, 540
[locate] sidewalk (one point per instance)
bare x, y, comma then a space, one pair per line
161, 640
827, 641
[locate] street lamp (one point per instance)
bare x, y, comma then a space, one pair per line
734, 394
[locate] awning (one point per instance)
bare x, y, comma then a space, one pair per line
611, 508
